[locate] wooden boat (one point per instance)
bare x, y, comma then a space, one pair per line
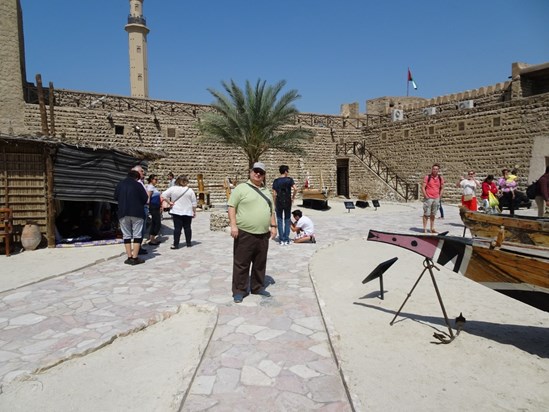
512, 269
314, 194
519, 229
316, 198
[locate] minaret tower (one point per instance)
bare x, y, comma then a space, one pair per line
137, 35
12, 69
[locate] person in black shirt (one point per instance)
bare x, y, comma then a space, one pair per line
284, 190
131, 198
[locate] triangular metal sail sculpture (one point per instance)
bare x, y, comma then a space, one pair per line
514, 270
442, 249
426, 246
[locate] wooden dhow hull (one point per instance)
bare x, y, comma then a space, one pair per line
520, 275
519, 229
514, 270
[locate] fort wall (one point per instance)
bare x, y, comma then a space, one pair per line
98, 120
494, 133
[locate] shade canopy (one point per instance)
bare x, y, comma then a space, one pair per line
84, 174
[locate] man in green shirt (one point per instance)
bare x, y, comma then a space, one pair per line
252, 224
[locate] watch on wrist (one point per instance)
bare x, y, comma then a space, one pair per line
273, 225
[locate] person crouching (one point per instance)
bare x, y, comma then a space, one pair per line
303, 227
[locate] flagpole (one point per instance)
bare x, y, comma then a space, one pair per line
407, 82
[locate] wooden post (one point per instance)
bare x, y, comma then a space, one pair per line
203, 196
227, 186
4, 176
51, 103
50, 203
42, 105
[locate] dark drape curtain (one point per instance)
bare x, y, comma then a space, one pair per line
82, 174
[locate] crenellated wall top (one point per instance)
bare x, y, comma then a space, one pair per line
481, 92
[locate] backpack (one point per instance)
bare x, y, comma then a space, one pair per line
532, 190
284, 192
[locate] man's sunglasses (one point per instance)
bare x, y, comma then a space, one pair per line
258, 171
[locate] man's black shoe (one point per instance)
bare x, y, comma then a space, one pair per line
262, 292
137, 261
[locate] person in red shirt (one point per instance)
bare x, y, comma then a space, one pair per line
488, 185
432, 188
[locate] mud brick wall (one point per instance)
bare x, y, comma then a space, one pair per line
497, 132
97, 120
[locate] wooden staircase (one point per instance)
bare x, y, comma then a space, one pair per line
408, 191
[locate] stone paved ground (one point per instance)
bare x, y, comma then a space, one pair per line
274, 353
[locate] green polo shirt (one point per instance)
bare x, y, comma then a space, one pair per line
253, 214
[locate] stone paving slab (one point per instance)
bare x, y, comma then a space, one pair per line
118, 376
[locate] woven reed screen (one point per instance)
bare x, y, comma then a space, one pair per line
23, 183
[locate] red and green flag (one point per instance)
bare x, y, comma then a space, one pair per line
411, 79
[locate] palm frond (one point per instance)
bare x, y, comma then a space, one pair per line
255, 119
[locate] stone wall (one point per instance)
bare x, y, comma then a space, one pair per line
495, 133
219, 221
97, 119
383, 105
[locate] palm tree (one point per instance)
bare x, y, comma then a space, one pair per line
255, 121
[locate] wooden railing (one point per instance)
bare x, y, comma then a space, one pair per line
340, 122
408, 191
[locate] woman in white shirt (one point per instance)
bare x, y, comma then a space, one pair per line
469, 185
182, 200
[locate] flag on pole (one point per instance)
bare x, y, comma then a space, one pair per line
411, 79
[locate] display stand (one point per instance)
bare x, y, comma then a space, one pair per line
378, 273
428, 266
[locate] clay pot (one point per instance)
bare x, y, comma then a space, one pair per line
31, 236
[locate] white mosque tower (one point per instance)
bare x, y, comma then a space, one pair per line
137, 35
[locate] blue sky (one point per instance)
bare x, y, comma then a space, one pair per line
332, 52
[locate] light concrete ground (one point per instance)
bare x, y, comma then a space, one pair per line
500, 361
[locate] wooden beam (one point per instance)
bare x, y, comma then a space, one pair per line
51, 104
42, 105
